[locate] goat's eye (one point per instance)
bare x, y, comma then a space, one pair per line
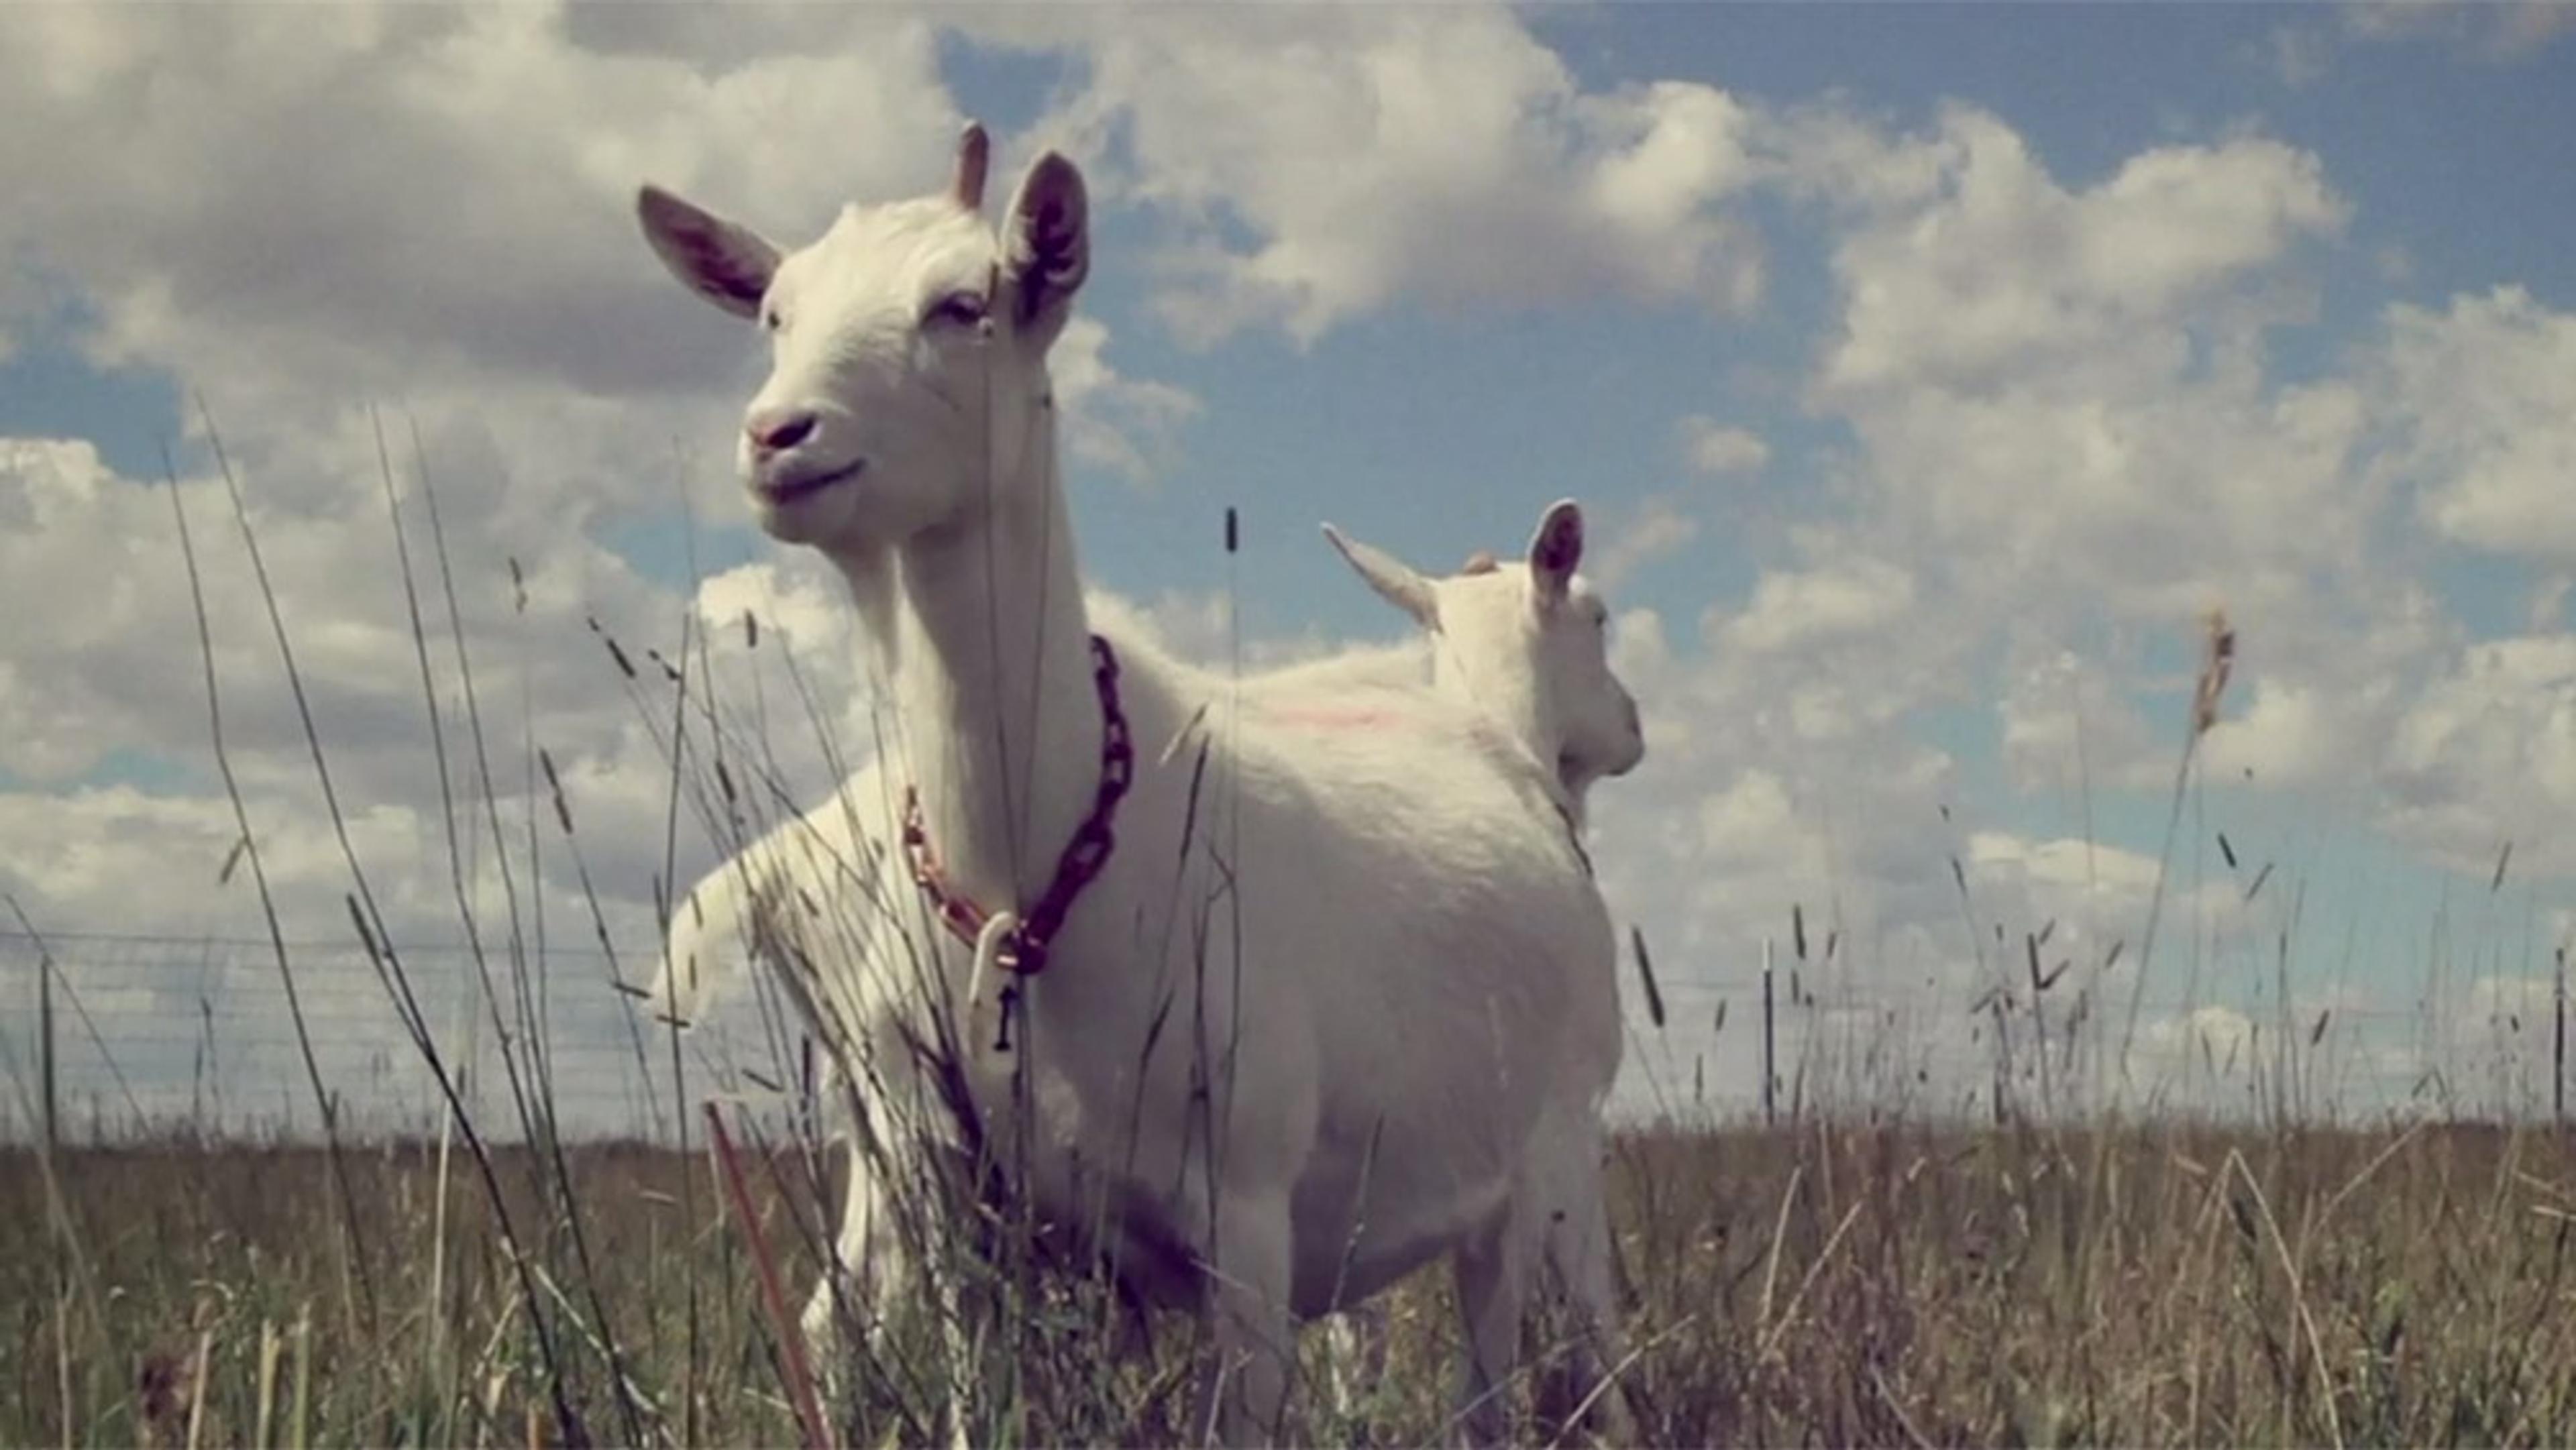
770, 319
965, 309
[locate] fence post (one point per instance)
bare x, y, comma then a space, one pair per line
45, 1049
2558, 1045
1770, 1066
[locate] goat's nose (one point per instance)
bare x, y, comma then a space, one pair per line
774, 429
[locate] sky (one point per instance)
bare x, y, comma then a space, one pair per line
1928, 372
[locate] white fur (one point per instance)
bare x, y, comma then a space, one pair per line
1364, 965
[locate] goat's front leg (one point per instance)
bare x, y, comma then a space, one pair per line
880, 1272
1244, 1395
869, 1267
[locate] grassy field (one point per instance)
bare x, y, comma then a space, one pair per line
1864, 1278
1881, 1284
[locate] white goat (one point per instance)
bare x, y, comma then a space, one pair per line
1525, 641
1377, 881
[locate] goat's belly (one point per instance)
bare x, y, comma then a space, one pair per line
1367, 1215
1336, 1269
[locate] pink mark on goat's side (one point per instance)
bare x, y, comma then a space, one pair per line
1332, 719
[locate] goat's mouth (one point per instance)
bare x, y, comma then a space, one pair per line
781, 491
1566, 764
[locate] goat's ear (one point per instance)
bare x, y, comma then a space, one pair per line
1046, 246
1556, 550
1391, 577
725, 262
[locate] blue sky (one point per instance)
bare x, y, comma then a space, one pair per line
1925, 369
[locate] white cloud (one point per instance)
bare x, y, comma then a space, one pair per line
1127, 425
2096, 894
1847, 597
1322, 163
2485, 393
391, 198
2070, 725
2205, 1043
2497, 1049
2300, 54
75, 859
2069, 440
2290, 735
1718, 449
115, 675
2487, 752
2505, 30
434, 209
1655, 529
1977, 265
796, 595
2068, 422
2060, 396
1753, 821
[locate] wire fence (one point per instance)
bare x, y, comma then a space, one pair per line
107, 1037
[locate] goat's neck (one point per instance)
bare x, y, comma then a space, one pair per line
987, 653
1508, 696
1522, 713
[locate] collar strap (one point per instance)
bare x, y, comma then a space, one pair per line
1024, 948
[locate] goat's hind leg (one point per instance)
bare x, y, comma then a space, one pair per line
1587, 1353
1584, 1347
1492, 1272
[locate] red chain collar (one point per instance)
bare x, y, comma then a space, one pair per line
1024, 950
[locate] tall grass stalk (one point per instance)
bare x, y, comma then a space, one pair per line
355, 1247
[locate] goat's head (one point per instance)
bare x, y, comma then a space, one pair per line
908, 348
1529, 640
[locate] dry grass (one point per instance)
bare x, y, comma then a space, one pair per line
1885, 1284
2145, 1286
240, 1244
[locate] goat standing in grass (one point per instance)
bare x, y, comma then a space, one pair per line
1218, 1067
1529, 643
1526, 642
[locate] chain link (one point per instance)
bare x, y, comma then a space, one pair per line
1025, 953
